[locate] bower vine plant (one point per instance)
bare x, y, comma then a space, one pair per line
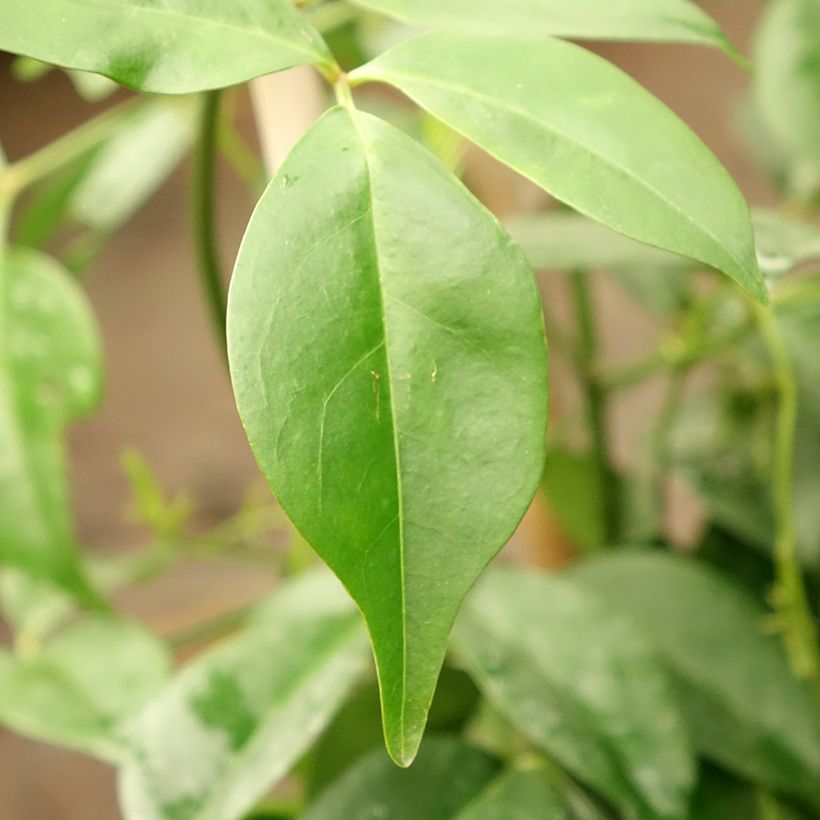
386, 344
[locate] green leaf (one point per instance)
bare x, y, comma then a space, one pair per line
389, 364
133, 164
587, 133
164, 46
570, 484
445, 779
103, 189
784, 243
524, 792
745, 708
787, 75
561, 240
234, 722
78, 688
580, 684
50, 374
664, 21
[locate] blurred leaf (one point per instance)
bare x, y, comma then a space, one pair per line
78, 688
164, 46
92, 87
787, 75
41, 216
720, 796
664, 21
599, 142
784, 243
103, 189
523, 792
580, 684
447, 776
571, 486
745, 708
387, 428
357, 728
50, 374
132, 165
32, 606
561, 240
246, 711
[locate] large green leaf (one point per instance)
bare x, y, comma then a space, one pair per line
744, 706
388, 358
164, 46
234, 722
587, 133
77, 689
50, 374
665, 21
580, 684
787, 75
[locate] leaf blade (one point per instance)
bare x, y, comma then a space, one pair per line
666, 21
82, 684
745, 708
603, 145
248, 709
50, 374
375, 407
564, 672
203, 45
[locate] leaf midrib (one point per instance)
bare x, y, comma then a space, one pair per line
394, 421
541, 124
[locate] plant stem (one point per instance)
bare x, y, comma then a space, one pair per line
66, 149
790, 600
206, 631
204, 216
596, 403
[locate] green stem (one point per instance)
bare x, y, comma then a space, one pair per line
790, 599
209, 630
68, 148
660, 441
204, 216
596, 400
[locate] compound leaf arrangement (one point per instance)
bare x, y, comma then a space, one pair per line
385, 337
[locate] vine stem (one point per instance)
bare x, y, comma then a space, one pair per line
203, 213
790, 600
596, 395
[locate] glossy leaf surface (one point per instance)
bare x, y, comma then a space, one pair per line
246, 711
388, 359
81, 685
163, 46
581, 685
743, 705
50, 374
587, 133
448, 776
670, 21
